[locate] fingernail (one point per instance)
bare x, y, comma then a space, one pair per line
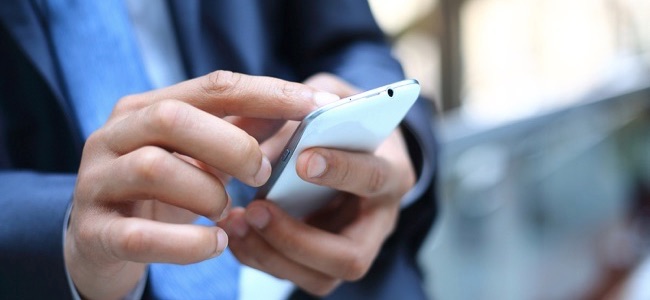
324, 98
239, 226
265, 171
226, 210
258, 217
222, 241
316, 165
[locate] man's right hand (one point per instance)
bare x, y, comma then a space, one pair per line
163, 158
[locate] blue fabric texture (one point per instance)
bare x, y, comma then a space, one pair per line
102, 61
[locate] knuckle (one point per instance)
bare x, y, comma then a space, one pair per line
167, 115
290, 94
102, 142
220, 82
126, 104
290, 90
149, 163
376, 180
134, 240
95, 141
355, 266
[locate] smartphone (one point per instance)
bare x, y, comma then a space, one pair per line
357, 123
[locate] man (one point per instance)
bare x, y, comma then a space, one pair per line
156, 159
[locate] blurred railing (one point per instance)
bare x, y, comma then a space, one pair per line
546, 207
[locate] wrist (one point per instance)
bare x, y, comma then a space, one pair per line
93, 283
93, 277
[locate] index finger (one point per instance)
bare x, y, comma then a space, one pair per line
225, 93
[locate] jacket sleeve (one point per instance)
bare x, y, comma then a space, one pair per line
33, 136
341, 37
31, 234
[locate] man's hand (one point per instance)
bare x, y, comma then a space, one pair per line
162, 159
339, 242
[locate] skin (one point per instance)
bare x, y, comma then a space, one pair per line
339, 242
164, 157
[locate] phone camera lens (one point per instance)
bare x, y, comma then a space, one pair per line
390, 92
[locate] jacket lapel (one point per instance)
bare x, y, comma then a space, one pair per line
21, 19
23, 22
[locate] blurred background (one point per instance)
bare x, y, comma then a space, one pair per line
544, 123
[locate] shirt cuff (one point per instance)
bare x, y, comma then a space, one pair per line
135, 294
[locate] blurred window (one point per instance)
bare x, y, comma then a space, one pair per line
517, 57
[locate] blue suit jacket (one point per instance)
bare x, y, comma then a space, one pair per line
40, 142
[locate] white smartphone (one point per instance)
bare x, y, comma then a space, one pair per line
357, 123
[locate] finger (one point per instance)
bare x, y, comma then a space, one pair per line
347, 255
336, 214
205, 167
362, 174
179, 127
331, 83
251, 250
224, 93
260, 129
153, 173
146, 241
274, 146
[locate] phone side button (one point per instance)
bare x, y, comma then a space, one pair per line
285, 154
